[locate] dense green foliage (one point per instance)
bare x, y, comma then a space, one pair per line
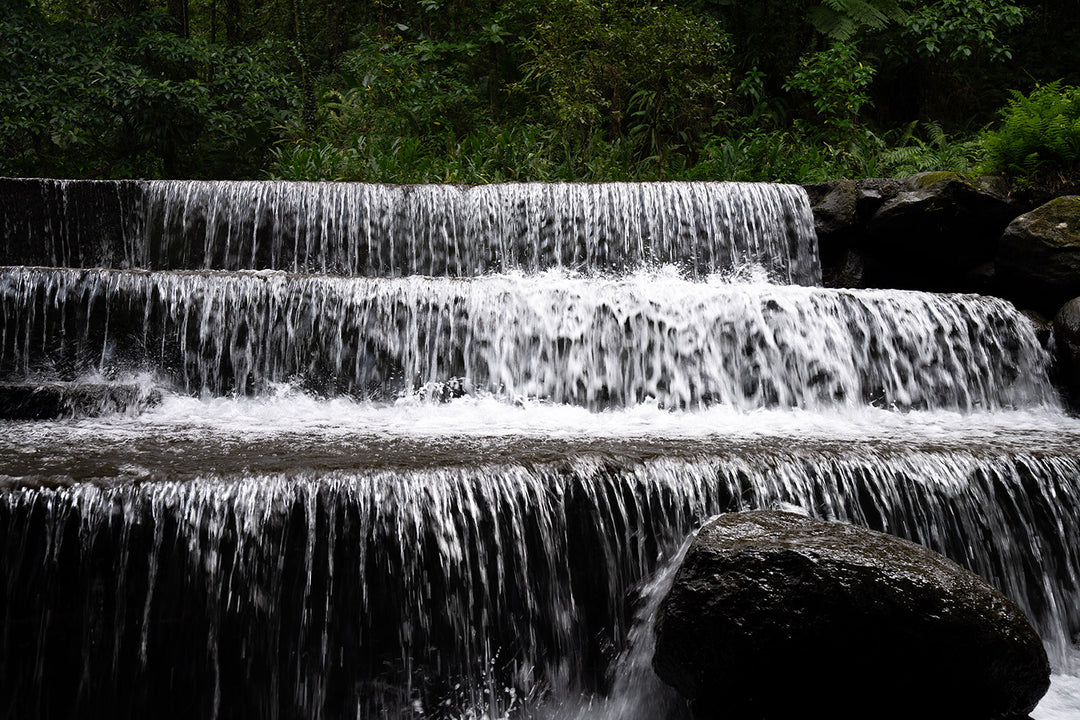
658, 76
489, 90
838, 85
1040, 135
128, 98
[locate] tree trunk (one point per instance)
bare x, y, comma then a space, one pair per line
232, 22
178, 10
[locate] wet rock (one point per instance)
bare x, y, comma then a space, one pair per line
841, 209
932, 231
1041, 326
775, 615
845, 270
47, 401
936, 233
834, 206
1038, 259
1067, 349
875, 192
836, 222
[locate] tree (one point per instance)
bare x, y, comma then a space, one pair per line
656, 75
129, 98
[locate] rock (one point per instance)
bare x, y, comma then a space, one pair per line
1067, 349
981, 279
833, 204
932, 231
841, 208
1041, 326
935, 233
995, 185
47, 401
1038, 258
835, 222
775, 615
845, 271
875, 192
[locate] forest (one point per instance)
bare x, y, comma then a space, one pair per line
478, 91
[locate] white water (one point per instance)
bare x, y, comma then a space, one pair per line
358, 229
645, 475
596, 342
326, 427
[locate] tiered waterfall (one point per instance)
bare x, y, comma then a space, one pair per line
403, 452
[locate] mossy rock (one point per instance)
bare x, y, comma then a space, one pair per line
1038, 259
1057, 221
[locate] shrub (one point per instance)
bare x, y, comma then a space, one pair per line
837, 84
656, 76
126, 98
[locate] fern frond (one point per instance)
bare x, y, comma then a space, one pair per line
901, 154
841, 19
832, 24
935, 134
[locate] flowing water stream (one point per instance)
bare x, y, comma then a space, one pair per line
430, 451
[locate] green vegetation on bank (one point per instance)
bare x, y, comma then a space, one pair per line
131, 98
486, 90
1039, 136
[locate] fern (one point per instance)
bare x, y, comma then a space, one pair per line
938, 152
842, 19
1040, 134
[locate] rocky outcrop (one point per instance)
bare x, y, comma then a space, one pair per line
942, 228
775, 615
841, 209
947, 232
1038, 260
933, 231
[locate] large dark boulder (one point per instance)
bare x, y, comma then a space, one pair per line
834, 204
836, 221
841, 209
775, 615
933, 231
1038, 258
938, 234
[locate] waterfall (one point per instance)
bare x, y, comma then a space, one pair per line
591, 342
392, 230
311, 582
430, 451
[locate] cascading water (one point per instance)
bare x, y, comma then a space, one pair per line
391, 230
383, 494
592, 342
